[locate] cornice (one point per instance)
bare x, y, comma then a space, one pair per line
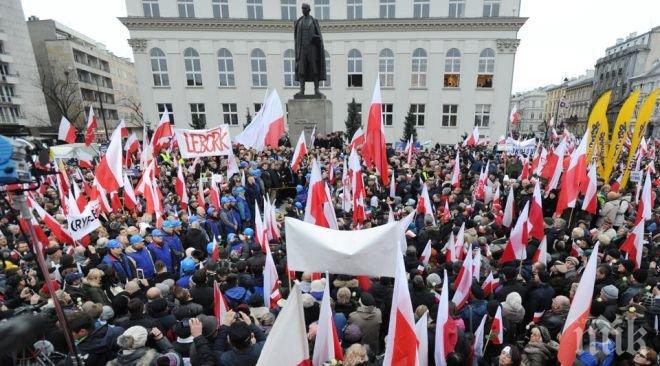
327, 26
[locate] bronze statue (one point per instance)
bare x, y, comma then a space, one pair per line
310, 54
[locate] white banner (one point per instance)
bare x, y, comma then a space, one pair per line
199, 143
514, 147
370, 252
84, 223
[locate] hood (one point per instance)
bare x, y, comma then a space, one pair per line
97, 341
140, 356
353, 283
367, 312
236, 292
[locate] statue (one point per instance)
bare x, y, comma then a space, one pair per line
310, 54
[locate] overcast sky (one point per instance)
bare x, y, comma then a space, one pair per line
562, 38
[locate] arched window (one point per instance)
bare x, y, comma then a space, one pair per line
386, 67
193, 67
326, 83
258, 63
419, 66
486, 68
452, 77
354, 68
226, 68
159, 67
290, 68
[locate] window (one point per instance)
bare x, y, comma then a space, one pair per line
255, 9
456, 8
150, 8
10, 114
386, 68
161, 109
387, 110
186, 8
421, 8
387, 8
198, 113
230, 114
418, 114
159, 67
449, 115
226, 68
486, 68
419, 65
322, 9
220, 9
354, 68
4, 69
290, 68
288, 9
452, 68
491, 8
482, 115
326, 83
257, 107
354, 9
193, 67
258, 62
6, 93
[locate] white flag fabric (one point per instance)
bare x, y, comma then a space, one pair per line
369, 252
422, 332
84, 223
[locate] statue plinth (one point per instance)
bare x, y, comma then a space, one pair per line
309, 111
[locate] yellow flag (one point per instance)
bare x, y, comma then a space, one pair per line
643, 119
619, 134
596, 124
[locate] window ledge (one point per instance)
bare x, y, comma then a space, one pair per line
418, 88
386, 87
450, 127
194, 86
451, 88
292, 87
259, 87
354, 87
226, 86
491, 88
161, 87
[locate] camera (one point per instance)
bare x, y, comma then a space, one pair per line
14, 167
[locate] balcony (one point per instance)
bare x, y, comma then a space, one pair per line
3, 35
5, 57
9, 79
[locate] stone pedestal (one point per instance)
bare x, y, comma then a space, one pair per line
305, 114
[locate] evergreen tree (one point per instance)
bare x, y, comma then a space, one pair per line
409, 128
198, 123
353, 119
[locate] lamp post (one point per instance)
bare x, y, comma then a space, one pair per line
105, 125
563, 84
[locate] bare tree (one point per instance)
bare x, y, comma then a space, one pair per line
137, 116
63, 94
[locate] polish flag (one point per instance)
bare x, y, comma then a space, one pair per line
327, 346
646, 200
616, 185
401, 344
480, 190
299, 153
424, 206
633, 245
81, 201
273, 226
476, 264
517, 244
424, 257
450, 249
92, 125
570, 186
115, 202
446, 332
445, 216
508, 209
85, 160
287, 340
130, 201
163, 133
473, 139
56, 229
319, 209
525, 169
463, 283
121, 126
392, 185
66, 132
260, 235
312, 137
490, 284
357, 188
538, 164
232, 166
422, 333
514, 116
147, 154
497, 327
331, 168
180, 188
576, 251
267, 126
536, 223
541, 254
497, 201
200, 195
555, 165
374, 151
536, 318
220, 307
132, 144
590, 202
346, 197
409, 150
214, 195
109, 171
456, 173
572, 334
460, 243
478, 345
358, 139
271, 281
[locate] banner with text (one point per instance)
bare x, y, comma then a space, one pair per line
199, 143
83, 223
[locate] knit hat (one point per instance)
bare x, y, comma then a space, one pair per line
107, 313
352, 333
133, 338
170, 359
609, 292
512, 308
366, 299
433, 280
308, 300
573, 260
317, 286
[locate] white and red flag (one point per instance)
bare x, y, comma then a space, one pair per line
541, 254
424, 206
576, 251
574, 326
401, 344
497, 328
409, 150
121, 126
374, 151
463, 282
357, 188
633, 245
514, 116
267, 126
271, 281
130, 201
422, 333
180, 188
473, 138
220, 306
575, 174
61, 234
536, 222
319, 209
299, 153
346, 197
92, 125
260, 234
446, 332
490, 284
327, 346
507, 220
516, 247
163, 133
645, 204
66, 131
109, 171
392, 185
424, 257
456, 172
478, 345
357, 141
590, 202
555, 165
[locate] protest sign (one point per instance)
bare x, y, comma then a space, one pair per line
83, 223
199, 143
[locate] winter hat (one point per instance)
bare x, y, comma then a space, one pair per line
352, 333
169, 359
308, 300
317, 286
107, 313
512, 308
433, 280
366, 299
609, 292
133, 338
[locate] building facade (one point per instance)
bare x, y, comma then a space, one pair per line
449, 61
646, 83
78, 73
531, 106
578, 99
627, 58
555, 106
22, 103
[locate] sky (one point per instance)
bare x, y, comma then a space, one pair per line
561, 38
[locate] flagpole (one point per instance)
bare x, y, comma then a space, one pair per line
487, 341
570, 217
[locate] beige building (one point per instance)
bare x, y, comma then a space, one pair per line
78, 72
22, 103
554, 107
531, 106
578, 97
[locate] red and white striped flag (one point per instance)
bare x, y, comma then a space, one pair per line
271, 281
422, 333
92, 125
401, 344
490, 284
374, 151
327, 346
456, 172
180, 188
66, 131
424, 206
446, 332
516, 247
541, 254
536, 222
536, 318
497, 328
633, 245
220, 307
575, 174
299, 153
508, 209
590, 202
163, 133
463, 283
357, 140
319, 209
357, 188
424, 257
109, 171
267, 126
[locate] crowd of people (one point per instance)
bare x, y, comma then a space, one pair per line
138, 293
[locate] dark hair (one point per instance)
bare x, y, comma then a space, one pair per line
240, 335
640, 275
159, 265
136, 306
79, 321
514, 353
199, 278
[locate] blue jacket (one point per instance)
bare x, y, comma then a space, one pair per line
589, 359
184, 281
302, 197
174, 242
163, 254
212, 227
121, 265
472, 313
243, 209
227, 219
237, 217
144, 262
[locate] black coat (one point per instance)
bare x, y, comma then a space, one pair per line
509, 287
204, 297
195, 238
539, 298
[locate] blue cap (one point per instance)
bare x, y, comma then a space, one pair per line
209, 247
135, 239
224, 200
298, 205
188, 265
240, 189
168, 224
231, 237
248, 231
210, 210
157, 232
243, 164
232, 199
193, 218
299, 188
113, 244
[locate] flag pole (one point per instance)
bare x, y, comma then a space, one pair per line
570, 217
487, 341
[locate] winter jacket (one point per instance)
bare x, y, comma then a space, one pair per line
204, 297
95, 294
213, 228
142, 259
145, 355
472, 313
368, 318
539, 353
243, 209
122, 266
162, 253
175, 243
99, 346
196, 238
241, 357
539, 298
554, 321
